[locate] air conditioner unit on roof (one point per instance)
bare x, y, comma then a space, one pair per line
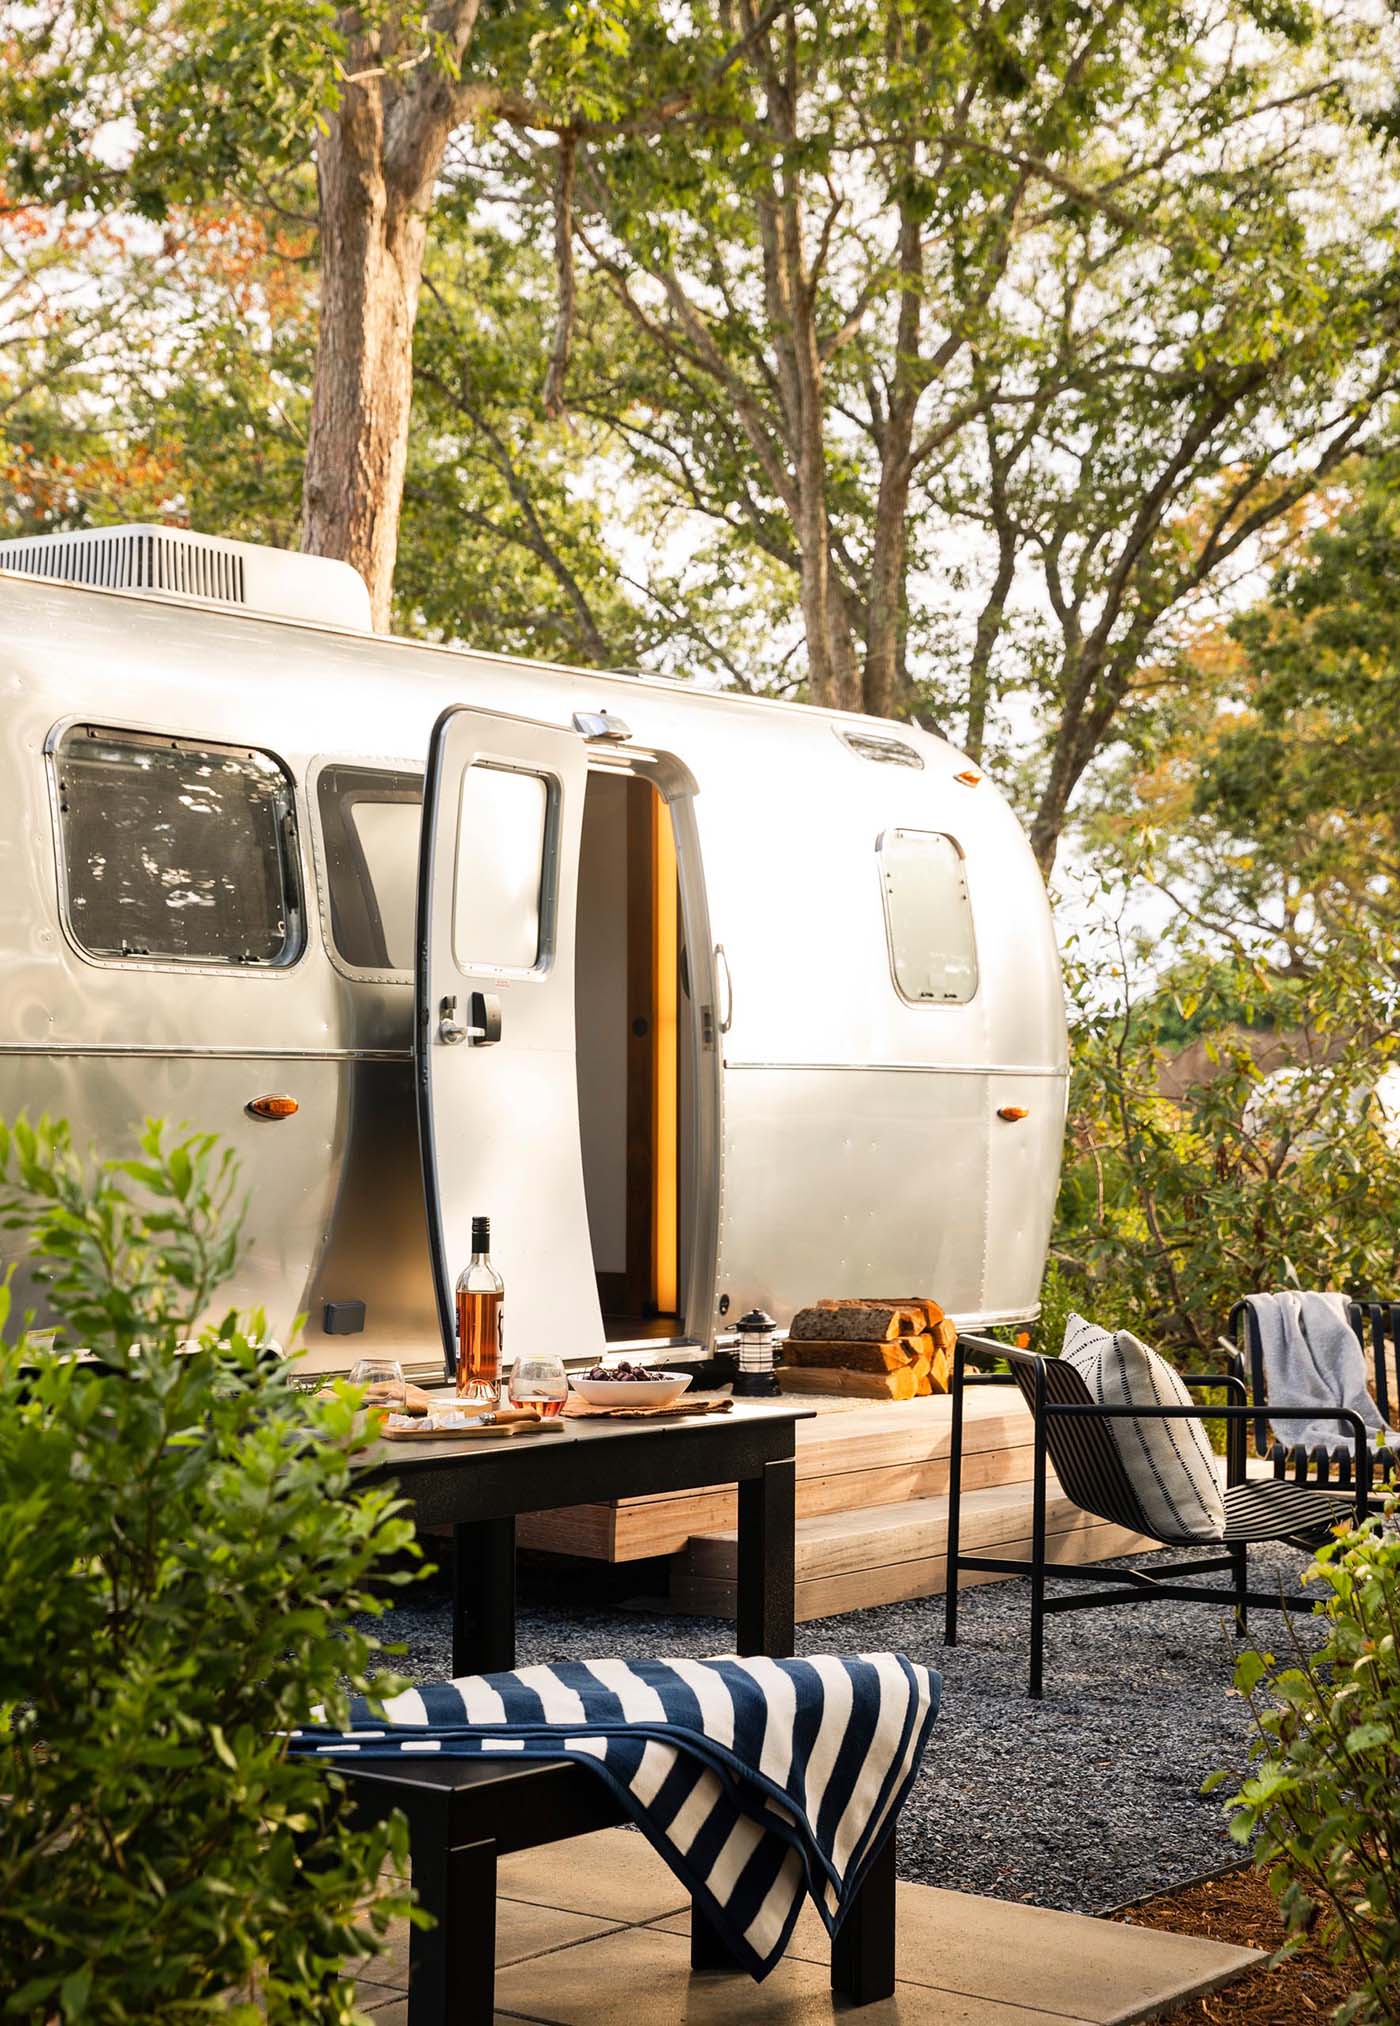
197, 570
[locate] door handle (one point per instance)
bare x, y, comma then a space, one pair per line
722, 968
483, 1026
484, 1019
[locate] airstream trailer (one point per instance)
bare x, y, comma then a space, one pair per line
710, 1002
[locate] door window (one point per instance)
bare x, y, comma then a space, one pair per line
502, 900
933, 953
370, 822
176, 851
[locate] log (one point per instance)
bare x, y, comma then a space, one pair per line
888, 1356
925, 1302
900, 1385
945, 1335
869, 1322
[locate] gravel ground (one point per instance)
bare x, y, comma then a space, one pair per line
1084, 1800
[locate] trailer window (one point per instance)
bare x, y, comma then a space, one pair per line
928, 916
370, 819
176, 851
505, 849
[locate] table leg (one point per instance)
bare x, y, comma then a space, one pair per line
862, 1954
483, 1596
767, 1560
707, 1947
452, 1965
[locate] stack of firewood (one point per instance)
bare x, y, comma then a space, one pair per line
874, 1348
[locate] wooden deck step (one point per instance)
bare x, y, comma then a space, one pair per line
887, 1554
852, 1455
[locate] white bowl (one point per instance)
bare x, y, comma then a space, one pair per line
657, 1392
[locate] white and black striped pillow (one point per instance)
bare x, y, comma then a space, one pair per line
1169, 1463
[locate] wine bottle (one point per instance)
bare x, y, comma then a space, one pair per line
480, 1300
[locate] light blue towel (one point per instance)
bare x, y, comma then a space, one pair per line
1312, 1359
754, 1779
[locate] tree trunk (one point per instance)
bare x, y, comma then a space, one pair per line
790, 293
990, 621
1049, 818
889, 565
372, 244
889, 562
823, 676
376, 167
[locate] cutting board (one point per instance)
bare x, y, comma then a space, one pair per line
506, 1423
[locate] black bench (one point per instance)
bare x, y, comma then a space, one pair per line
463, 1815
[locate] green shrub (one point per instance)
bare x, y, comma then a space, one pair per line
1322, 1802
180, 1550
1171, 1208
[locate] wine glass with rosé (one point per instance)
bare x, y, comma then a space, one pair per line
538, 1380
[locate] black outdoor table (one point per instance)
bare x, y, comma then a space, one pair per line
477, 1486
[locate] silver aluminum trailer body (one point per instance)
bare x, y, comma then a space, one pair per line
849, 1126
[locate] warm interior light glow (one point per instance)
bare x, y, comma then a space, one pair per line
665, 1062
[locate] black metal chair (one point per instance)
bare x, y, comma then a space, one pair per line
1071, 1433
1380, 1320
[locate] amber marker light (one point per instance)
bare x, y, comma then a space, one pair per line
969, 777
1012, 1112
271, 1107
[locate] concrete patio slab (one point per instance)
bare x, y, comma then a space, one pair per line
396, 2014
377, 1998
644, 1974
613, 1874
1033, 1958
522, 1930
564, 1958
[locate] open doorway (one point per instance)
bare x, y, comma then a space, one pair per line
634, 1079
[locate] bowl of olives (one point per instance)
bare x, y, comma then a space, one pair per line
628, 1385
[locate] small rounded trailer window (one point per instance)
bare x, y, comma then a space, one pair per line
928, 918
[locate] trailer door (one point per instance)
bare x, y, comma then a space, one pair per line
498, 1113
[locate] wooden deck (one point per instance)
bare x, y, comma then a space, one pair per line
872, 1505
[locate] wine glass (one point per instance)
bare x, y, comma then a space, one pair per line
538, 1380
382, 1379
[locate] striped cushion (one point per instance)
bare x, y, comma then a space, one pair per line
1169, 1463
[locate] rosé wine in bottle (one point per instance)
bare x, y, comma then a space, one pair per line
480, 1300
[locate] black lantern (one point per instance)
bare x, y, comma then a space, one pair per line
755, 1374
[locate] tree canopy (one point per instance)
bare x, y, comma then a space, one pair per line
914, 355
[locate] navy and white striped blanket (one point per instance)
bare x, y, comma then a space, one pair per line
755, 1779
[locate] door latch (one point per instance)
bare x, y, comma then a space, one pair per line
483, 1026
450, 1029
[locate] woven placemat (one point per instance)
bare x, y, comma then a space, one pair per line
576, 1408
